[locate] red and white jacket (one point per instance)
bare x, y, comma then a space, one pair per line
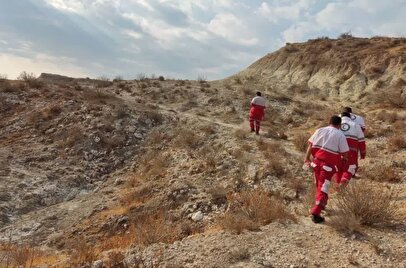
257, 110
359, 120
327, 144
355, 138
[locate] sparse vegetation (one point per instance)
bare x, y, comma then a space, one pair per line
364, 204
251, 209
300, 141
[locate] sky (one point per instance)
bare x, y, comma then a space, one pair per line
182, 39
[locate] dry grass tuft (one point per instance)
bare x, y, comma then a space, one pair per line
300, 141
186, 138
251, 209
241, 134
361, 203
396, 143
154, 228
83, 254
382, 172
51, 111
153, 164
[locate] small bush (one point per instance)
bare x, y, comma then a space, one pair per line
102, 82
383, 173
240, 134
83, 254
361, 203
161, 78
51, 112
253, 208
396, 144
300, 141
154, 228
186, 138
201, 78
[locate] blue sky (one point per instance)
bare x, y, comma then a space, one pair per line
178, 39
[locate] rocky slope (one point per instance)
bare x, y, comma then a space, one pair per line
164, 173
346, 68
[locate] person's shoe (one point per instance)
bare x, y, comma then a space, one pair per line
252, 130
256, 133
317, 218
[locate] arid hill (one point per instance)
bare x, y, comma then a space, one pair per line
157, 172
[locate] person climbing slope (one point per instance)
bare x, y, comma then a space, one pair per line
329, 148
257, 112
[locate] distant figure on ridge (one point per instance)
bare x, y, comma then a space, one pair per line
329, 149
257, 112
356, 143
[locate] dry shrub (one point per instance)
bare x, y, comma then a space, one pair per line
251, 209
385, 116
72, 136
240, 134
208, 155
209, 129
17, 255
155, 116
31, 80
382, 172
51, 111
218, 195
297, 184
154, 228
274, 167
83, 254
396, 143
11, 87
102, 82
395, 96
116, 259
300, 141
271, 149
96, 95
155, 137
153, 164
361, 203
186, 138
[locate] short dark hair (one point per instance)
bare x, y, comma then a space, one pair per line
258, 93
347, 109
345, 114
335, 120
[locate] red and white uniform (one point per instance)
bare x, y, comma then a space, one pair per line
327, 145
356, 143
359, 120
257, 112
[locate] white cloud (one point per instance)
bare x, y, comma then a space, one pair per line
232, 28
74, 6
284, 10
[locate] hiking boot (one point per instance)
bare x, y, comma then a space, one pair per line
317, 218
256, 133
252, 130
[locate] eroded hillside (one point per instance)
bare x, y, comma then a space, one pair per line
164, 173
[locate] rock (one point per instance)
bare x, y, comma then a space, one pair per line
97, 264
198, 216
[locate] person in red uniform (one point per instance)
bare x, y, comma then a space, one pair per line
257, 112
328, 147
356, 143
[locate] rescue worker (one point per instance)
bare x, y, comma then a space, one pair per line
257, 112
328, 147
356, 143
356, 118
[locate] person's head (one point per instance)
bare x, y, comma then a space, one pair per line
347, 109
345, 114
335, 121
258, 93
